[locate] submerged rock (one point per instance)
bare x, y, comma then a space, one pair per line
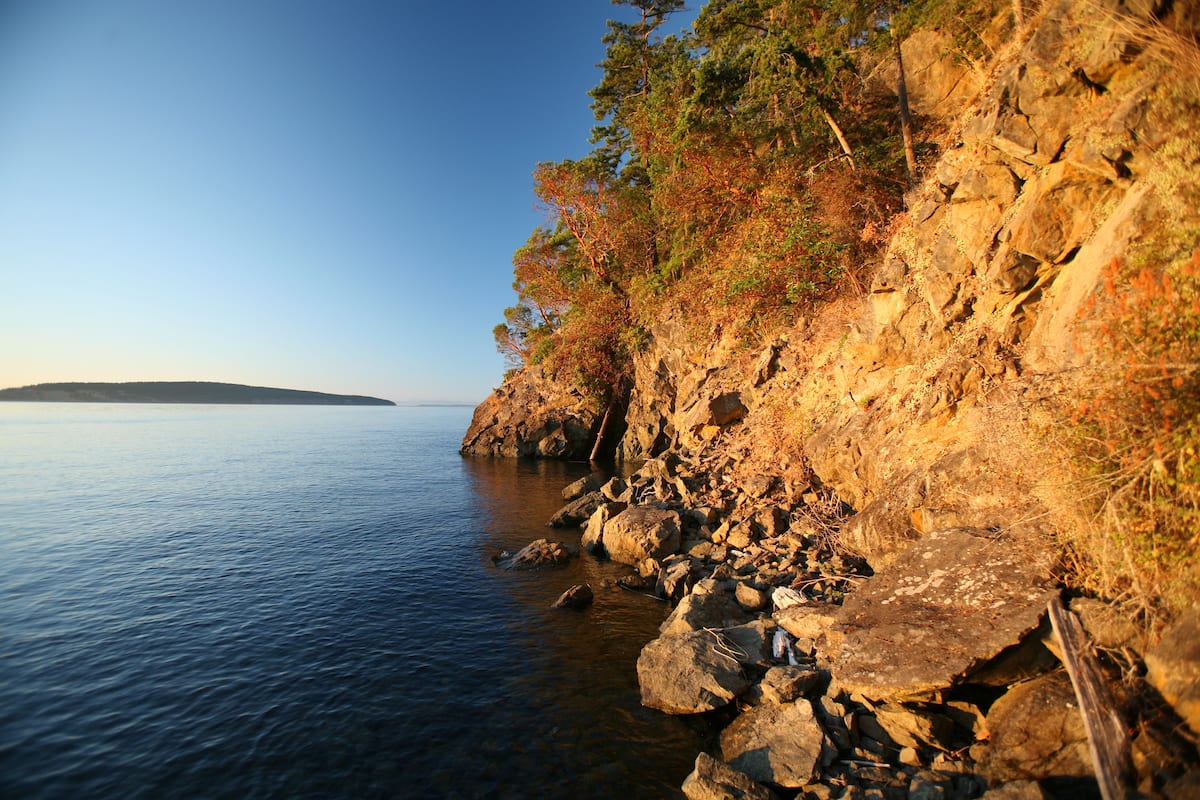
537, 554
578, 596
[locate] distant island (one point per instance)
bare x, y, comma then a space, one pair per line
181, 392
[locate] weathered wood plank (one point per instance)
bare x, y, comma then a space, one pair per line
1108, 739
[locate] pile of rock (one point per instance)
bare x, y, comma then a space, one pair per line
935, 678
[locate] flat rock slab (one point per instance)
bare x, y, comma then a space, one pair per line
585, 485
948, 604
777, 744
689, 673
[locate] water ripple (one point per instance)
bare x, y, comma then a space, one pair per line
287, 602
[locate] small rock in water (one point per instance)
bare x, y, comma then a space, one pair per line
536, 554
578, 596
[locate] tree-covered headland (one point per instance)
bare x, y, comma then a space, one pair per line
741, 173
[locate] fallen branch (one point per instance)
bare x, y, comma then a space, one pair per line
1108, 739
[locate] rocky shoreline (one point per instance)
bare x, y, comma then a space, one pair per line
936, 677
861, 519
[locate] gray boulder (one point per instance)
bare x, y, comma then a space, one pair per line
750, 598
716, 780
778, 744
948, 604
689, 673
537, 554
674, 579
806, 622
751, 643
592, 538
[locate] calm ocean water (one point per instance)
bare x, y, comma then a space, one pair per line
241, 601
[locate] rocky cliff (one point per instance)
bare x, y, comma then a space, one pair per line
918, 424
915, 402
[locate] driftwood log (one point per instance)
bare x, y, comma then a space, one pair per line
1108, 739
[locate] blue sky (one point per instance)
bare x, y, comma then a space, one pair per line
312, 194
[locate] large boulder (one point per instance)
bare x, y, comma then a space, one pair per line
716, 780
639, 533
1035, 732
947, 605
532, 416
778, 744
689, 673
537, 554
1174, 667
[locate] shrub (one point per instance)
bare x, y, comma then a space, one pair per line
1136, 436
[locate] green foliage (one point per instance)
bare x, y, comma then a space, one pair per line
723, 181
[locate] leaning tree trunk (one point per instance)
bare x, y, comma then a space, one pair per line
906, 126
841, 137
604, 426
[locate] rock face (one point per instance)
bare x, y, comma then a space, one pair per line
777, 744
531, 416
952, 601
689, 673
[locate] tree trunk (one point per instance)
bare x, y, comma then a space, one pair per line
605, 424
841, 137
906, 126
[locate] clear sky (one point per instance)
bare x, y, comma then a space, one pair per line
310, 194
